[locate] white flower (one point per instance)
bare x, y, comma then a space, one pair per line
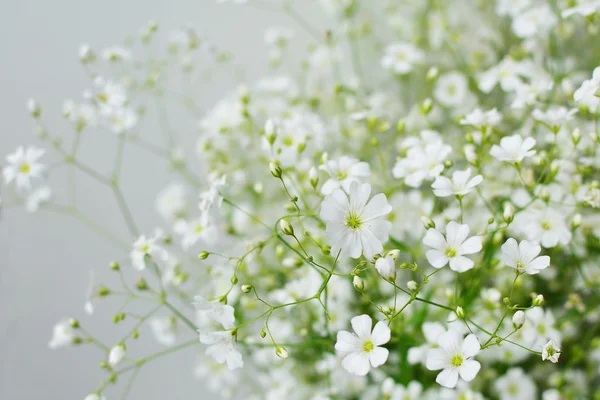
95, 396
193, 231
107, 94
147, 247
524, 256
23, 166
343, 172
422, 162
546, 225
355, 224
479, 118
62, 335
164, 329
171, 201
392, 391
400, 58
116, 355
451, 89
513, 149
386, 267
460, 184
551, 352
212, 197
592, 197
452, 248
360, 350
216, 311
518, 319
120, 119
587, 94
222, 348
584, 8
116, 53
431, 330
37, 197
539, 328
534, 21
508, 73
515, 385
454, 358
554, 117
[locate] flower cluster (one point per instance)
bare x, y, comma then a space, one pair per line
413, 214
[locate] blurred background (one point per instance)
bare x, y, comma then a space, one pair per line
45, 258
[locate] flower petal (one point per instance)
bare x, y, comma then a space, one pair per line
381, 333
469, 369
362, 325
470, 346
378, 356
448, 377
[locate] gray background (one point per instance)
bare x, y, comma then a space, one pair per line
45, 258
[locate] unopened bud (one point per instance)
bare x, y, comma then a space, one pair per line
412, 285
73, 323
326, 249
427, 222
426, 106
115, 266
401, 126
433, 73
281, 352
141, 284
576, 136
539, 300
509, 212
313, 176
246, 288
263, 334
286, 227
576, 221
103, 291
518, 319
203, 255
460, 313
358, 283
34, 108
275, 170
394, 254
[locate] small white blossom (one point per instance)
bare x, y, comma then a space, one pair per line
454, 357
401, 58
479, 118
513, 149
524, 256
164, 329
386, 267
23, 166
551, 352
343, 172
95, 396
143, 247
116, 355
355, 224
62, 335
460, 184
452, 248
361, 350
222, 348
37, 197
216, 311
515, 385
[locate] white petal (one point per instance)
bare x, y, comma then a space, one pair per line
431, 330
378, 356
470, 346
359, 194
381, 333
528, 250
434, 239
347, 342
448, 377
449, 341
377, 207
539, 263
357, 363
456, 233
362, 325
436, 258
461, 264
469, 369
436, 359
471, 246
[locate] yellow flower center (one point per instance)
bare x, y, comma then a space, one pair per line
25, 168
353, 221
103, 97
541, 329
341, 175
456, 361
145, 248
546, 226
198, 229
451, 252
368, 346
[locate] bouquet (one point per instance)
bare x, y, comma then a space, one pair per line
404, 208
